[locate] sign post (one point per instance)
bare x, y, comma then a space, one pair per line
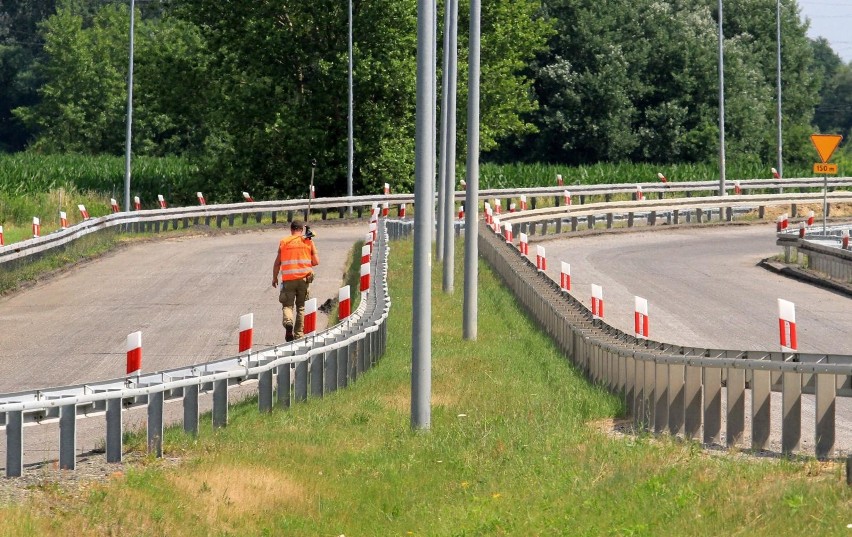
825, 145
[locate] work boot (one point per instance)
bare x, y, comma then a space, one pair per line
288, 335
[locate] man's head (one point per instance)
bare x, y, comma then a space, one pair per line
296, 227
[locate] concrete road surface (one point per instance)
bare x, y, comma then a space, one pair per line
703, 286
185, 294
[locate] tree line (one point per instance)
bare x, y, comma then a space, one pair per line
253, 91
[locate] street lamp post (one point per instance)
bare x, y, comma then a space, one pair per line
129, 112
780, 135
721, 104
351, 144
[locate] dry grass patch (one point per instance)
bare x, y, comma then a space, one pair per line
400, 400
226, 491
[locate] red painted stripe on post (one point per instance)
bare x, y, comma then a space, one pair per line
310, 316
344, 303
134, 352
365, 277
246, 332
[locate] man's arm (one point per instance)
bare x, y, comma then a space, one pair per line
314, 255
276, 267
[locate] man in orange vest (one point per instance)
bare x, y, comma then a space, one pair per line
297, 255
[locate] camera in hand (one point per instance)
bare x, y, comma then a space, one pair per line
308, 233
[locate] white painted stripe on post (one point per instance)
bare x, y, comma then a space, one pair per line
246, 321
343, 293
786, 310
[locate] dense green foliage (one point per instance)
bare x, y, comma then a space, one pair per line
252, 92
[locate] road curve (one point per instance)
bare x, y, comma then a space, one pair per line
185, 294
703, 287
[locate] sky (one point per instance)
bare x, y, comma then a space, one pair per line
831, 19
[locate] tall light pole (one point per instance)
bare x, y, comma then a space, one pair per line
424, 184
780, 135
721, 104
442, 150
450, 148
351, 159
129, 112
471, 203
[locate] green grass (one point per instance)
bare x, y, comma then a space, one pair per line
516, 447
535, 175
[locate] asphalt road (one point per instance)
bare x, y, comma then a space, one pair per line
185, 294
703, 286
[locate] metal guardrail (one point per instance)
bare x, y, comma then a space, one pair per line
315, 365
676, 389
157, 219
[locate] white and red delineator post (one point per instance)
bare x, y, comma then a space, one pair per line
313, 192
785, 222
565, 277
540, 259
844, 239
778, 227
495, 225
463, 184
523, 202
200, 197
559, 181
368, 241
640, 317
114, 204
83, 212
524, 245
507, 232
63, 220
310, 316
344, 303
246, 332
387, 189
461, 211
1, 237
787, 325
36, 227
775, 174
385, 209
401, 212
162, 201
512, 207
365, 253
801, 230
597, 302
134, 353
365, 277
498, 204
639, 194
374, 231
137, 203
810, 218
247, 197
567, 196
374, 213
487, 212
662, 177
737, 188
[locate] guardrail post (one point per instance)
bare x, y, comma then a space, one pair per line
343, 366
791, 402
300, 384
590, 221
330, 368
712, 405
761, 212
315, 369
283, 377
677, 373
760, 410
220, 403
629, 219
362, 351
190, 409
826, 395
573, 223
699, 215
231, 220
219, 220
692, 402
729, 214
264, 391
274, 216
114, 430
14, 443
609, 218
676, 216
155, 424
736, 406
68, 437
661, 397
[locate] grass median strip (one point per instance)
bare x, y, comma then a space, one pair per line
519, 445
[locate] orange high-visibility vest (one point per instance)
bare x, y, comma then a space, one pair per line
295, 253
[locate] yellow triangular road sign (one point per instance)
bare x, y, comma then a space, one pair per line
826, 144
